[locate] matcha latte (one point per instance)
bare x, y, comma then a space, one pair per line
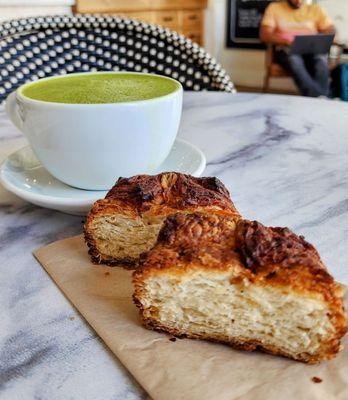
88, 129
100, 88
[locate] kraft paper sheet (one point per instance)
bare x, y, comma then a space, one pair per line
183, 369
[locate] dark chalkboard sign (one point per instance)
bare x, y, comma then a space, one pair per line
243, 22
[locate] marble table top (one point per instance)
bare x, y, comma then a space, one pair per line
284, 160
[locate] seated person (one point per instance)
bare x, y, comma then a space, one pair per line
281, 23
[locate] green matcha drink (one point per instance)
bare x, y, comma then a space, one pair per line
100, 88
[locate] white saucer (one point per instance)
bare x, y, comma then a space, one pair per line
23, 174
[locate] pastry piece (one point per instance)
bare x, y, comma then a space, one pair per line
240, 283
126, 223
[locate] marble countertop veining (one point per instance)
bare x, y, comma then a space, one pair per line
285, 161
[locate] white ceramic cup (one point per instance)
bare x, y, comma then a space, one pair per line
89, 146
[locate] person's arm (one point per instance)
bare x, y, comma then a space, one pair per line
329, 29
270, 36
268, 28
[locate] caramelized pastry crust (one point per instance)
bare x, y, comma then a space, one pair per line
219, 254
136, 207
172, 190
282, 257
261, 246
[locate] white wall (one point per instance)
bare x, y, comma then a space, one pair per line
246, 67
10, 9
338, 10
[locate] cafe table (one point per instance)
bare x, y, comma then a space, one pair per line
284, 160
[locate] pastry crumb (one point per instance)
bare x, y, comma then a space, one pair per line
107, 273
71, 318
173, 339
316, 379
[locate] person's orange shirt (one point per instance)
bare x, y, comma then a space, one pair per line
289, 22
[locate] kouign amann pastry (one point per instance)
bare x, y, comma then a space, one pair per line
126, 223
240, 283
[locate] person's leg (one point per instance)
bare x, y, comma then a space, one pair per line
295, 65
318, 67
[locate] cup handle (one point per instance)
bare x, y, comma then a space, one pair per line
11, 108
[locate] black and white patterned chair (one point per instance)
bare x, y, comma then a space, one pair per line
34, 48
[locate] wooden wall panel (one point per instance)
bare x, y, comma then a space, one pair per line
104, 6
183, 16
110, 6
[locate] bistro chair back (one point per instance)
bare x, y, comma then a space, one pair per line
34, 48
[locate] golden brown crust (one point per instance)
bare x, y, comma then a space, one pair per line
157, 195
261, 246
261, 255
265, 254
279, 256
196, 238
173, 190
192, 230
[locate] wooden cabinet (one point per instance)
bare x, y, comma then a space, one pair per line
194, 36
183, 16
146, 16
192, 20
110, 6
169, 19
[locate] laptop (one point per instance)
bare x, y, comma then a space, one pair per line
312, 44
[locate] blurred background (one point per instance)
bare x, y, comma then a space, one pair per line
228, 29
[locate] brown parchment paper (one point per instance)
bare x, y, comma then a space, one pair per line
184, 369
